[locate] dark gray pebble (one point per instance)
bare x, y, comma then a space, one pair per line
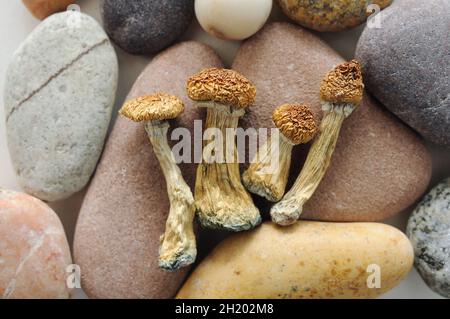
406, 64
429, 232
146, 26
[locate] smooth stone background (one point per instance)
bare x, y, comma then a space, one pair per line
58, 118
146, 26
14, 13
125, 210
429, 232
406, 65
379, 168
34, 252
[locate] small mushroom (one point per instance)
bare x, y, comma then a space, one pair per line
221, 200
267, 175
341, 92
178, 245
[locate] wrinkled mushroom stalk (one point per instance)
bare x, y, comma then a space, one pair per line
178, 244
288, 211
267, 175
221, 199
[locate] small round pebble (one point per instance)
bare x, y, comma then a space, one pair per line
406, 65
232, 19
329, 15
146, 26
429, 232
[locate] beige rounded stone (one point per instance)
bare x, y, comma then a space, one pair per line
308, 260
34, 253
125, 210
380, 166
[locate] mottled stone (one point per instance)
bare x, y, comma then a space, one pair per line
330, 15
59, 91
406, 65
126, 207
41, 9
34, 253
429, 231
146, 26
379, 168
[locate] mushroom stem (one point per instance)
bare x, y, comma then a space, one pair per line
178, 247
267, 175
288, 211
221, 200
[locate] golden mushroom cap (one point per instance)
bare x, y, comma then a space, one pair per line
296, 122
344, 84
159, 106
222, 85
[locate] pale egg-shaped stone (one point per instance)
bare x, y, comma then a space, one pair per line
232, 19
34, 253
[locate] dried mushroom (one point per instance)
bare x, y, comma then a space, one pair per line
178, 244
221, 200
341, 92
267, 175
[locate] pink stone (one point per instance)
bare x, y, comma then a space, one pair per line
34, 253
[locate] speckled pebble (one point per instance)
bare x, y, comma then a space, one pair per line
406, 65
429, 232
34, 253
146, 26
59, 92
329, 15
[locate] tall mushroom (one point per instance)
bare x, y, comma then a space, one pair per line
341, 92
268, 173
221, 200
178, 245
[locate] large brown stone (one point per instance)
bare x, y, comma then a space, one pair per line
125, 209
380, 166
34, 253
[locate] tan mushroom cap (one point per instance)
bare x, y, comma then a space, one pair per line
221, 85
344, 84
159, 106
296, 122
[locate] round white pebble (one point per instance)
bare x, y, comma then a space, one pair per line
232, 19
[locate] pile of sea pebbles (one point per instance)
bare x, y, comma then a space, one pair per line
59, 94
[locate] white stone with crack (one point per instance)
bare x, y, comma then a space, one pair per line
59, 92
